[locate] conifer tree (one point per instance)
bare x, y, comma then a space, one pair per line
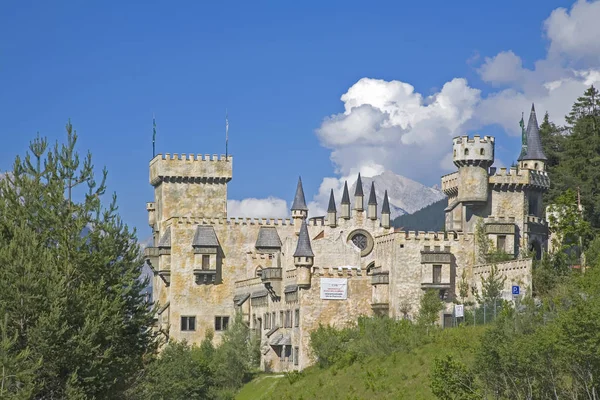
69, 277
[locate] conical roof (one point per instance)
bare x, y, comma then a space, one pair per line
331, 208
385, 209
372, 196
303, 249
359, 188
299, 201
534, 142
346, 195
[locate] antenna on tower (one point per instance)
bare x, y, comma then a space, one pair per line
153, 136
226, 134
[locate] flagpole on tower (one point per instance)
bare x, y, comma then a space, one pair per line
153, 136
226, 134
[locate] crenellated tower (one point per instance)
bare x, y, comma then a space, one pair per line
473, 158
188, 186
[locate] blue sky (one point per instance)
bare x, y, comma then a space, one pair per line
280, 68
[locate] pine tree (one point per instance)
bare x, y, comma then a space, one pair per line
69, 281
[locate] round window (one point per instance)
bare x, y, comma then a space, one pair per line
363, 240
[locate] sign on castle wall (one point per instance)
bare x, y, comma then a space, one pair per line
334, 288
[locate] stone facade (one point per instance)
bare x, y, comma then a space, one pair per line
208, 266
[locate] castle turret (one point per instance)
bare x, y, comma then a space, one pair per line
372, 205
385, 212
299, 208
359, 197
331, 211
473, 158
532, 155
346, 202
303, 257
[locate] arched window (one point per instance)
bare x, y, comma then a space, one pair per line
482, 152
535, 166
258, 272
466, 152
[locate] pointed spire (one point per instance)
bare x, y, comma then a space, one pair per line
534, 142
359, 189
346, 195
331, 208
386, 204
299, 201
303, 249
372, 196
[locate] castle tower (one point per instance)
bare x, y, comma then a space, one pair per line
299, 208
188, 186
385, 212
372, 205
331, 211
359, 196
532, 155
346, 202
303, 257
473, 158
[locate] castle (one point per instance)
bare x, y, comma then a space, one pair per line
287, 276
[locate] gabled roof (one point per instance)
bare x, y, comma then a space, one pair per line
205, 237
372, 196
385, 209
359, 189
165, 240
268, 238
303, 249
534, 142
331, 208
346, 196
299, 201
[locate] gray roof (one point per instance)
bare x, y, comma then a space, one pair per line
359, 189
372, 197
385, 209
290, 289
534, 142
268, 238
345, 196
331, 208
303, 249
241, 298
299, 201
165, 240
259, 293
281, 340
205, 237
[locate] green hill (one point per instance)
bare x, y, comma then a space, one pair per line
396, 376
430, 218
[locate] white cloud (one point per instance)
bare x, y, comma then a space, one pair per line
387, 125
574, 35
270, 207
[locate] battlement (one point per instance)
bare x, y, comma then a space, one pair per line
190, 168
342, 271
499, 220
477, 151
513, 177
231, 221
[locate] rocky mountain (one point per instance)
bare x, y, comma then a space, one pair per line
406, 196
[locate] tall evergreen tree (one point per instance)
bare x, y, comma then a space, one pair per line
69, 276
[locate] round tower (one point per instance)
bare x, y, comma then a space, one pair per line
473, 158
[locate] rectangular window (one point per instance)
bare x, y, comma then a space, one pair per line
297, 318
221, 323
266, 319
296, 355
205, 261
188, 323
288, 353
501, 243
273, 320
288, 317
281, 321
437, 274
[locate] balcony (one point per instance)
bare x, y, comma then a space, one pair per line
437, 255
271, 274
380, 278
205, 276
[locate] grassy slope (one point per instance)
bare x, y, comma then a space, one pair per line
397, 376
